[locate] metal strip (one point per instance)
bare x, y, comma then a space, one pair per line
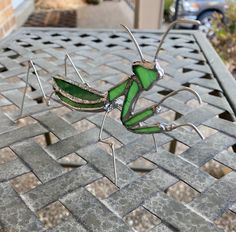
223, 76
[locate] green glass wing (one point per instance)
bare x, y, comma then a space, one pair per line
77, 90
80, 106
146, 76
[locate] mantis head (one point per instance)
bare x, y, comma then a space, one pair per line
151, 71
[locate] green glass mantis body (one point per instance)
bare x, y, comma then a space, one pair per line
81, 97
84, 98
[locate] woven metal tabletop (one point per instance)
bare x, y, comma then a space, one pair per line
57, 148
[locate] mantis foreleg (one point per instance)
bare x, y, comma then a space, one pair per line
133, 122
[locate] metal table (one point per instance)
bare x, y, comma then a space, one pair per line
39, 144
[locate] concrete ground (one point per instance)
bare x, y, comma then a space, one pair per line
108, 14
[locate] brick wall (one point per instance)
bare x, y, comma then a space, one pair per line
7, 18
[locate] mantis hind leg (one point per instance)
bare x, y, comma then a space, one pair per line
111, 145
67, 57
31, 65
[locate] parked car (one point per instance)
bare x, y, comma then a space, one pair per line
201, 10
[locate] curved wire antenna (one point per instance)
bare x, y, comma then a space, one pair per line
67, 57
184, 21
135, 42
180, 90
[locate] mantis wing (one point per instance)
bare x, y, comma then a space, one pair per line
79, 96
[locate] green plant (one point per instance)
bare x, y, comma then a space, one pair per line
167, 4
224, 39
167, 7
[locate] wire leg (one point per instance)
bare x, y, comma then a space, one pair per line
154, 140
100, 139
65, 66
38, 79
67, 57
49, 98
26, 85
180, 90
190, 125
173, 126
114, 162
31, 64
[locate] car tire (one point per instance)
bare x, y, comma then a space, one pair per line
205, 19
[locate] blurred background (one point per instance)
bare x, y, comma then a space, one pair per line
218, 17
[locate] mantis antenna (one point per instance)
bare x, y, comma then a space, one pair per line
184, 21
135, 42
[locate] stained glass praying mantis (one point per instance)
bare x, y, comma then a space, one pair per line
82, 97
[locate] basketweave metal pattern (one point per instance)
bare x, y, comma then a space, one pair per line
105, 58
